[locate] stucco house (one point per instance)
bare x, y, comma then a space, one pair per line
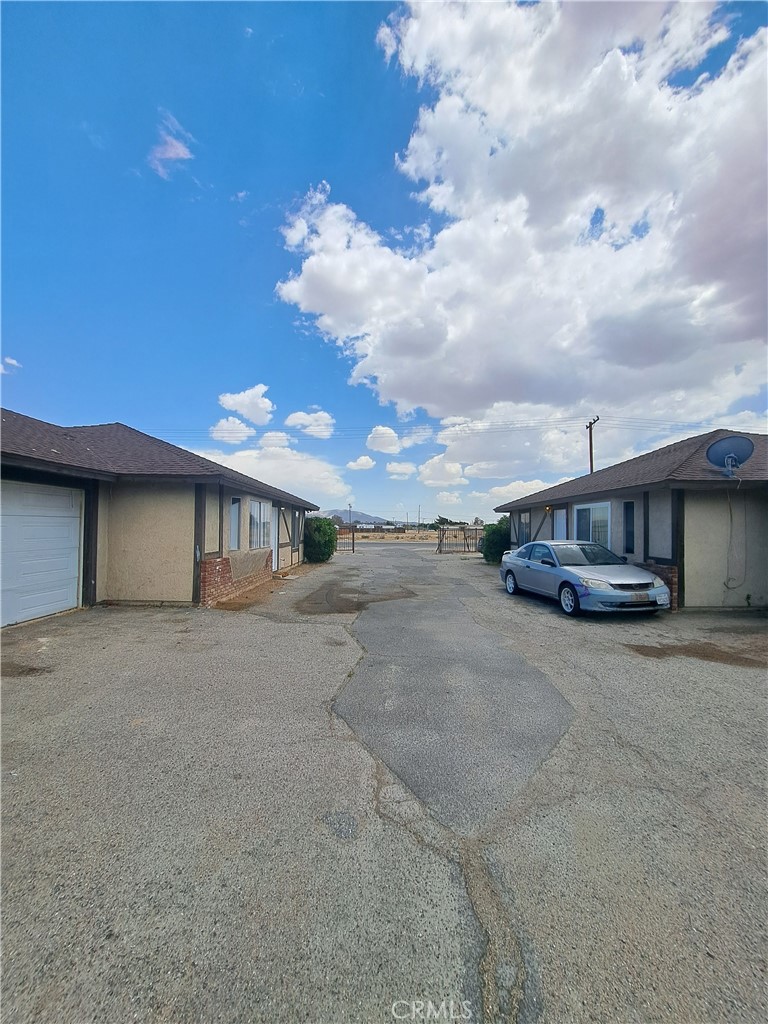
704, 532
108, 514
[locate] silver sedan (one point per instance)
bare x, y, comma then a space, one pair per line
582, 576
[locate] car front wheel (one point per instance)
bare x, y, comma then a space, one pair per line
569, 600
510, 583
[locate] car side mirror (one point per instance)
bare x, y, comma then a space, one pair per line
548, 561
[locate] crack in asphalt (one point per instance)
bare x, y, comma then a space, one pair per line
503, 971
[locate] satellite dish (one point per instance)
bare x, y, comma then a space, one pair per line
729, 453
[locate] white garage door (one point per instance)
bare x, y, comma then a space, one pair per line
41, 530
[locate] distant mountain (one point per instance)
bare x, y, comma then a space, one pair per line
344, 513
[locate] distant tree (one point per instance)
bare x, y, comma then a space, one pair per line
496, 540
337, 520
319, 539
477, 521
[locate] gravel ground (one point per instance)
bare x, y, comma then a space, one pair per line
385, 783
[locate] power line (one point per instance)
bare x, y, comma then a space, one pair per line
458, 429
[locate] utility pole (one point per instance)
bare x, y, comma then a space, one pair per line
418, 527
350, 514
591, 455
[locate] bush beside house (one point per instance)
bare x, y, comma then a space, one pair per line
496, 540
319, 539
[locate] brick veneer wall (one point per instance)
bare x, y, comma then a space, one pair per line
217, 582
669, 573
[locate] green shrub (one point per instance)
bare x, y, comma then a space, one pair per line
496, 540
319, 539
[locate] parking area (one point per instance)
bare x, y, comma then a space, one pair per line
385, 784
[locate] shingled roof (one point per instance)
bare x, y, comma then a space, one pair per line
681, 462
113, 449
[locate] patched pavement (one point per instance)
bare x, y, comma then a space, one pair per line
388, 784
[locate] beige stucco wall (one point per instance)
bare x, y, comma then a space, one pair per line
660, 524
151, 542
102, 542
287, 555
726, 549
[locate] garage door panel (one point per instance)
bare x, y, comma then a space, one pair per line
31, 570
35, 499
33, 602
41, 542
40, 533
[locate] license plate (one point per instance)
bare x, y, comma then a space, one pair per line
639, 597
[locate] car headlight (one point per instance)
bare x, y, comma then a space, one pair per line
596, 584
658, 582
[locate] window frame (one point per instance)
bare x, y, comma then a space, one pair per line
591, 506
234, 520
259, 524
629, 527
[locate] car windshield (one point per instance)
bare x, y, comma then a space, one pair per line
586, 554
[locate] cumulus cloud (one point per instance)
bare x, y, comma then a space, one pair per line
172, 148
419, 435
250, 403
383, 439
439, 472
598, 235
275, 439
449, 497
400, 470
239, 197
296, 472
316, 424
231, 430
363, 462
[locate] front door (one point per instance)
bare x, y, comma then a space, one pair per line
560, 525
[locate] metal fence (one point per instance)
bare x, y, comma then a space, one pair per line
345, 538
454, 539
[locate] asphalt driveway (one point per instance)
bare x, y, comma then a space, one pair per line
385, 785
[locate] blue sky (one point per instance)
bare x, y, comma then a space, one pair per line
398, 228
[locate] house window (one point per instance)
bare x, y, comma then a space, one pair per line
524, 528
259, 524
234, 525
593, 522
295, 529
629, 527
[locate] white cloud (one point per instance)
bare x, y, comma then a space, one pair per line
239, 197
9, 361
173, 147
401, 470
248, 32
316, 424
600, 243
231, 430
383, 439
304, 475
275, 439
448, 498
363, 462
250, 403
419, 435
438, 472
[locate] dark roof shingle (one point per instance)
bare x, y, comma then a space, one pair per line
684, 462
118, 450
